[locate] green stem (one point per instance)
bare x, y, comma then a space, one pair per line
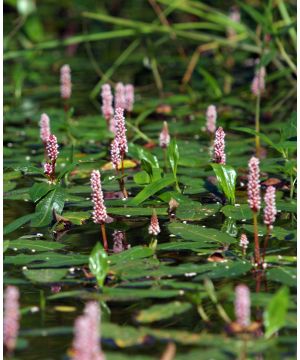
256, 240
257, 124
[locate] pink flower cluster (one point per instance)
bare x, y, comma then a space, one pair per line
44, 128
258, 83
129, 97
270, 209
99, 212
65, 82
52, 148
120, 96
107, 100
244, 241
115, 154
242, 305
154, 228
254, 200
86, 342
211, 117
11, 318
164, 136
121, 139
219, 147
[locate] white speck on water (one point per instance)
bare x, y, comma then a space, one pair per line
10, 144
33, 250
190, 274
213, 215
15, 249
62, 164
172, 235
181, 292
169, 276
242, 184
111, 177
278, 211
218, 202
33, 151
71, 270
260, 234
203, 226
243, 220
147, 277
279, 257
44, 333
39, 235
264, 265
184, 221
294, 276
87, 198
244, 262
24, 268
226, 267
124, 199
92, 141
34, 309
26, 200
47, 258
128, 215
229, 217
196, 137
109, 261
27, 158
237, 205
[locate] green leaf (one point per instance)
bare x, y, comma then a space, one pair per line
173, 157
193, 211
151, 189
18, 223
98, 264
226, 176
285, 275
45, 275
5, 245
38, 190
53, 201
237, 212
276, 311
35, 245
163, 311
200, 234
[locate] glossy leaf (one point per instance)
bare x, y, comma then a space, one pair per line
226, 176
98, 264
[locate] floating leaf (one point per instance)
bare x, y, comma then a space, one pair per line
98, 264
237, 212
163, 311
18, 223
284, 275
45, 275
35, 245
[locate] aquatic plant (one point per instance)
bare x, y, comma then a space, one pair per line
86, 342
219, 156
211, 117
107, 108
99, 211
120, 96
254, 200
52, 153
257, 88
11, 318
45, 130
269, 213
244, 243
242, 305
129, 97
154, 228
65, 84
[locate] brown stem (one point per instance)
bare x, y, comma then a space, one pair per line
256, 240
66, 106
266, 241
104, 236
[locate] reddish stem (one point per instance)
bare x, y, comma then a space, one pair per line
104, 238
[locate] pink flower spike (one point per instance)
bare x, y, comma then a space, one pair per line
119, 121
118, 239
48, 169
65, 82
86, 342
44, 127
154, 228
115, 154
120, 97
164, 136
254, 185
11, 317
242, 305
129, 97
258, 83
107, 99
244, 241
270, 209
211, 117
52, 148
99, 212
219, 147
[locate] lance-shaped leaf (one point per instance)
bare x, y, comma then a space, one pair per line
98, 264
226, 176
